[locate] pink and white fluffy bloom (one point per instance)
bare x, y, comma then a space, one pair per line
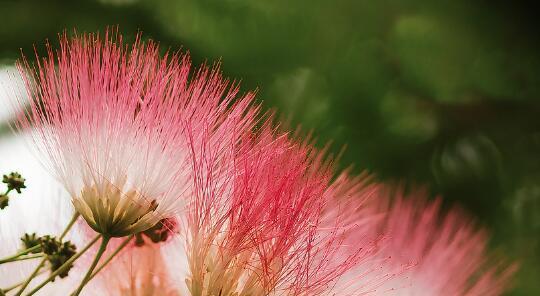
269, 220
447, 252
259, 221
134, 141
111, 122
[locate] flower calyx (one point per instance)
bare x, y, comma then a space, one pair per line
31, 240
156, 234
4, 201
14, 181
58, 253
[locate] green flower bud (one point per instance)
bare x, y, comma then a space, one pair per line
14, 181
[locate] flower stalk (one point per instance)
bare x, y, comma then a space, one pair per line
19, 254
70, 224
109, 259
6, 290
32, 276
42, 263
23, 258
104, 242
66, 265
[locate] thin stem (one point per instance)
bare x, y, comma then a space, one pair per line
32, 276
65, 265
30, 257
21, 253
21, 258
37, 247
86, 279
70, 224
6, 290
36, 270
120, 247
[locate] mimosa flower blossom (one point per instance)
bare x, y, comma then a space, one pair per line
447, 251
272, 222
112, 124
268, 220
135, 139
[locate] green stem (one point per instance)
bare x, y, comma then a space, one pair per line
65, 265
120, 247
21, 253
32, 276
30, 257
20, 258
70, 224
86, 279
6, 290
36, 270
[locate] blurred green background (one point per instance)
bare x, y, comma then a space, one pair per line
443, 94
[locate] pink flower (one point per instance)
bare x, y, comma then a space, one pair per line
447, 252
134, 141
111, 122
267, 219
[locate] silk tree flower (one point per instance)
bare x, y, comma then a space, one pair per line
263, 222
447, 253
134, 141
260, 221
42, 209
111, 122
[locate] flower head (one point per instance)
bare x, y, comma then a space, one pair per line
267, 219
138, 145
14, 181
112, 122
447, 251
